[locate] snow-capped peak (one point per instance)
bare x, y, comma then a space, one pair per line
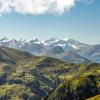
74, 46
5, 39
51, 40
65, 39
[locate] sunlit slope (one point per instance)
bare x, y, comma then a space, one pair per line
80, 84
27, 77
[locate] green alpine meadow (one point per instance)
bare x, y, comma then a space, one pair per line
27, 77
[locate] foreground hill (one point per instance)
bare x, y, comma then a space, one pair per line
23, 76
77, 89
81, 85
97, 97
27, 77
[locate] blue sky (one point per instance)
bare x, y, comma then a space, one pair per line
81, 22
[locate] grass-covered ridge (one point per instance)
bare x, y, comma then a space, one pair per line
27, 77
97, 97
80, 84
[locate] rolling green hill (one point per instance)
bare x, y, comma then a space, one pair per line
27, 77
22, 74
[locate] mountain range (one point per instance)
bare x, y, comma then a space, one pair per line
68, 50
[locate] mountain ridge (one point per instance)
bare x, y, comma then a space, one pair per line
40, 48
34, 78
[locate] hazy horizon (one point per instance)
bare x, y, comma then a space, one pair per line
40, 39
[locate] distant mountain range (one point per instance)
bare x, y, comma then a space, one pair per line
68, 50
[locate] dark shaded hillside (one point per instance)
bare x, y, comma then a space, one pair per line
76, 89
8, 55
79, 85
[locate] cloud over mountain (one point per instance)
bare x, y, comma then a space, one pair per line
36, 7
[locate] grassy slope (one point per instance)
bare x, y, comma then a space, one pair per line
78, 85
20, 69
97, 97
23, 76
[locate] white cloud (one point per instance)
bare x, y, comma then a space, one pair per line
36, 7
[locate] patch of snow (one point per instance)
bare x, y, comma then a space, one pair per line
56, 40
74, 46
45, 43
66, 39
5, 40
62, 45
38, 42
